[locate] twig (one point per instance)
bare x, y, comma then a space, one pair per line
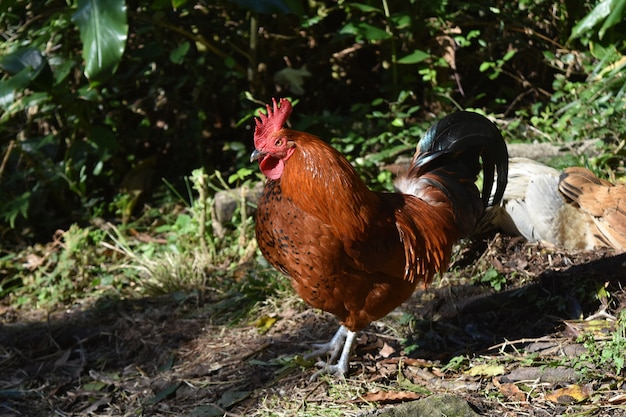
518, 341
307, 396
6, 156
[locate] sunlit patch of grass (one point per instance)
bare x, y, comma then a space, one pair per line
196, 254
606, 346
175, 248
62, 271
312, 401
191, 254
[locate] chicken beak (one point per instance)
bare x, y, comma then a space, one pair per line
256, 154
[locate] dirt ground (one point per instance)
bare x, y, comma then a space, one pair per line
183, 354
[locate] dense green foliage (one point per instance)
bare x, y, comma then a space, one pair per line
102, 101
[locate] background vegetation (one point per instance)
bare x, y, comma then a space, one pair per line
103, 102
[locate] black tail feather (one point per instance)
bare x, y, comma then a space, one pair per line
462, 138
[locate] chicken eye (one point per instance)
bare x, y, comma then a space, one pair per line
279, 142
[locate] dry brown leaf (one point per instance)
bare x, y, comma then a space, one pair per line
33, 261
386, 351
512, 392
387, 369
486, 370
568, 395
386, 397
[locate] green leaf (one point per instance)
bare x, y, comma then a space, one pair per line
178, 54
31, 64
178, 3
616, 16
23, 58
14, 207
486, 370
365, 31
168, 390
414, 57
510, 54
16, 83
609, 11
365, 8
402, 21
62, 70
103, 30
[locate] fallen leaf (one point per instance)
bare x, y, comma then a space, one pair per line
512, 392
386, 351
209, 410
600, 329
386, 397
568, 395
62, 361
263, 324
168, 390
408, 385
232, 397
558, 375
485, 370
94, 386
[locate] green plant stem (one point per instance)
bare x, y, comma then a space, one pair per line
202, 195
394, 55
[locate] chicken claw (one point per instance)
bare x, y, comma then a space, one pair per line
341, 342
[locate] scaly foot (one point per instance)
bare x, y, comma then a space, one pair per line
341, 342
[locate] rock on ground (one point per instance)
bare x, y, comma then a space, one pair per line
435, 405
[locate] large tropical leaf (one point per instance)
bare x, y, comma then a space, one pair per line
103, 30
607, 12
27, 67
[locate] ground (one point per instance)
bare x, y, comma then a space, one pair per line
514, 351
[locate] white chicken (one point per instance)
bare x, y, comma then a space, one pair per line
574, 210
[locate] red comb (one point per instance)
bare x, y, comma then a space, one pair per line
273, 122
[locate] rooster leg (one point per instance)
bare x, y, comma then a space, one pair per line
341, 342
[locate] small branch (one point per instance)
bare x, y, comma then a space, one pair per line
5, 159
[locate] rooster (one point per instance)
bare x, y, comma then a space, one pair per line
356, 253
573, 209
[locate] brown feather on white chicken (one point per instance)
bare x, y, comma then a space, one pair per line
574, 209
